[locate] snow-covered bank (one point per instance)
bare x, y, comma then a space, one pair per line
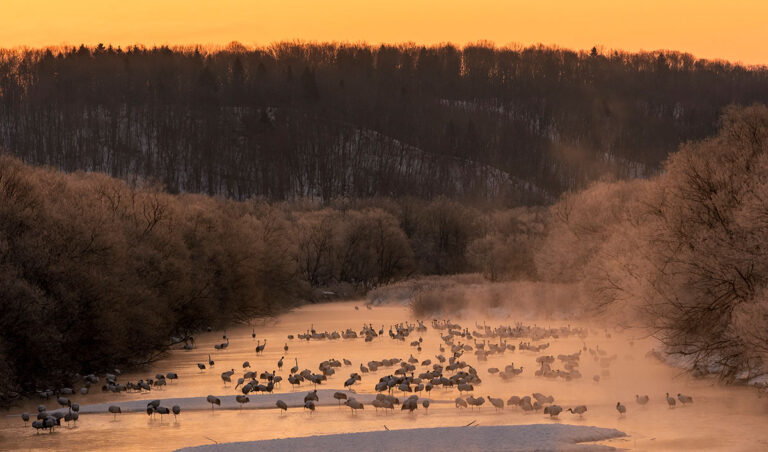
228, 402
537, 437
757, 377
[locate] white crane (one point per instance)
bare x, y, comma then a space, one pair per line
161, 410
554, 410
260, 346
354, 405
340, 396
115, 410
226, 377
241, 399
311, 396
213, 400
580, 410
671, 401
498, 404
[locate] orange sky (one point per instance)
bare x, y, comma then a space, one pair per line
736, 30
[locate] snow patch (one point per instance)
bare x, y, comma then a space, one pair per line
539, 437
228, 402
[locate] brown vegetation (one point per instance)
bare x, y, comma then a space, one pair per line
685, 253
97, 272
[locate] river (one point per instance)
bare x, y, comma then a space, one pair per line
721, 418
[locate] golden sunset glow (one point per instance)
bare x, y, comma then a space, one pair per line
734, 30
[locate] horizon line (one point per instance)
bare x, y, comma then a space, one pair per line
233, 45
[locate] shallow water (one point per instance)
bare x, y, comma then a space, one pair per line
721, 418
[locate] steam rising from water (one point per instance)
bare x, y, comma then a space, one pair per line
720, 419
471, 296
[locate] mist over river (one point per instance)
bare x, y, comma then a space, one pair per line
720, 417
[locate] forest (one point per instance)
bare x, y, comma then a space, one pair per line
511, 125
98, 272
684, 254
147, 194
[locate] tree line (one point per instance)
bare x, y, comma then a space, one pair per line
518, 125
98, 272
684, 254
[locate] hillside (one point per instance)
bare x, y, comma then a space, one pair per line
515, 125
